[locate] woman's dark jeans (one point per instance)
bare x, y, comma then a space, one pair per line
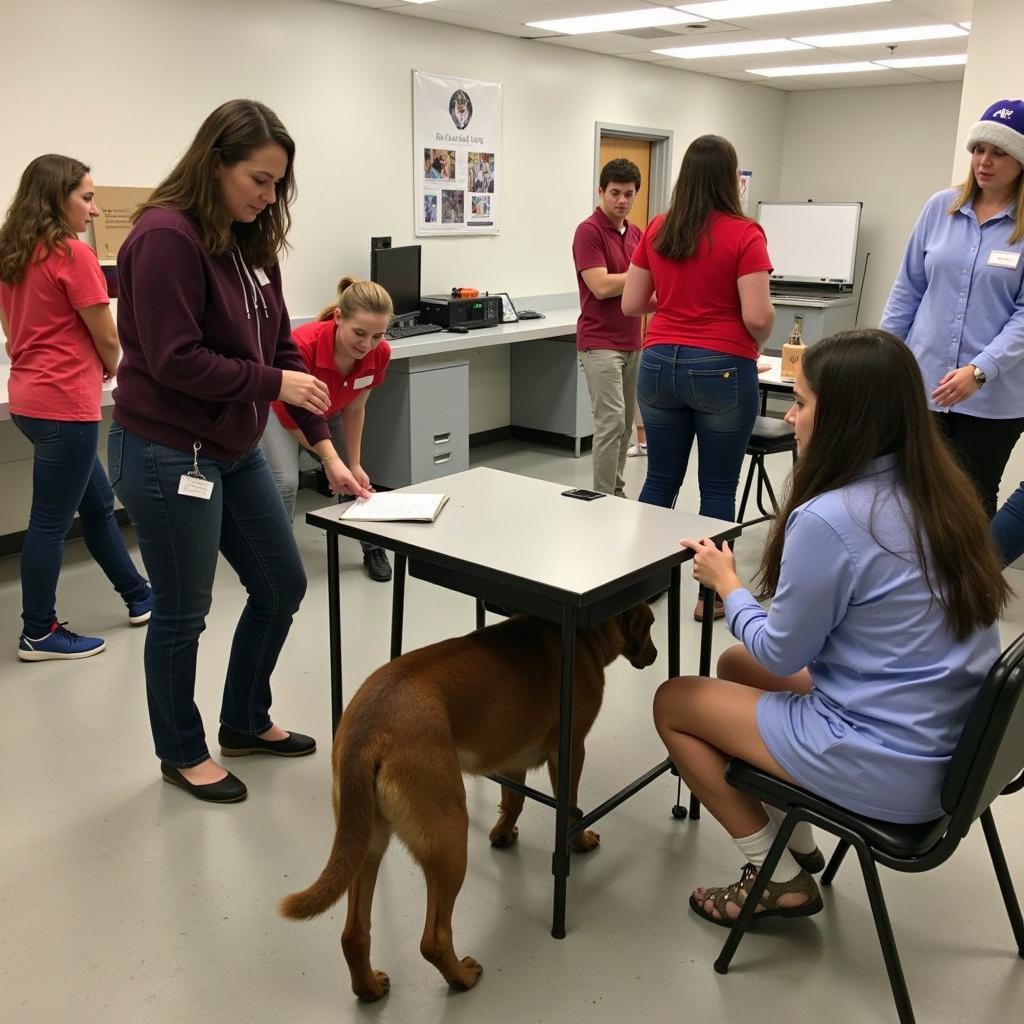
687, 392
68, 477
180, 538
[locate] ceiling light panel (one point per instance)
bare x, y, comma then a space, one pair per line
925, 62
732, 49
650, 17
883, 36
721, 10
817, 69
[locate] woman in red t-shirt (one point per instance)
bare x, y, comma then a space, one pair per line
702, 269
62, 345
345, 349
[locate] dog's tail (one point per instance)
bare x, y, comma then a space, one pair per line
358, 805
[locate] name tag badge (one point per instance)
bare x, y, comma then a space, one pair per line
195, 486
362, 382
261, 276
996, 258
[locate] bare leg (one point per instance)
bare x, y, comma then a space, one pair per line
505, 832
738, 665
368, 984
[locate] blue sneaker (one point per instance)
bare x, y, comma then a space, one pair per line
140, 611
59, 644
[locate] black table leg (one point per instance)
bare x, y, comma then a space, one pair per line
560, 858
398, 604
481, 615
334, 626
673, 622
707, 627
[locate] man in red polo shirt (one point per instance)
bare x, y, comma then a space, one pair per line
609, 342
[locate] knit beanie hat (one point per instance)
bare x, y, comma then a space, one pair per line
1001, 125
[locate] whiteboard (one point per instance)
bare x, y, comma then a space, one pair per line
811, 242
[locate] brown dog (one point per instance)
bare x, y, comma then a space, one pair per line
482, 703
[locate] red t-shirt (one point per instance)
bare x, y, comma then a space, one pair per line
56, 372
698, 300
602, 324
316, 346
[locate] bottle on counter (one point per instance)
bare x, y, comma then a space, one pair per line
793, 351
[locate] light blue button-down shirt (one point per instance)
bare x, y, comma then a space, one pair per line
891, 685
954, 306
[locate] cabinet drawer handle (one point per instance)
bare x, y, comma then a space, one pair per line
442, 438
440, 460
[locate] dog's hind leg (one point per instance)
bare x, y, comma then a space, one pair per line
505, 832
368, 984
441, 853
587, 840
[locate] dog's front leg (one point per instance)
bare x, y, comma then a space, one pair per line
505, 832
588, 839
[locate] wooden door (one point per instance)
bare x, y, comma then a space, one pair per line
639, 151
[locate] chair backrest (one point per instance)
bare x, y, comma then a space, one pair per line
990, 753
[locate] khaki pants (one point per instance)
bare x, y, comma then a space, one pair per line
611, 380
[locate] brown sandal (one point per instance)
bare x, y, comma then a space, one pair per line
721, 896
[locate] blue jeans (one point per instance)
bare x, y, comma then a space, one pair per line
180, 537
68, 477
687, 392
1008, 527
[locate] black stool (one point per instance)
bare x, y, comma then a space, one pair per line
768, 437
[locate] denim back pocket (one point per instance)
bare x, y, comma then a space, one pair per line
115, 452
715, 391
647, 381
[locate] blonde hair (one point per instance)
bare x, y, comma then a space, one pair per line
969, 189
356, 296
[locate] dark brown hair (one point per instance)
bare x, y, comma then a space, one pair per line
355, 296
869, 402
707, 181
38, 213
622, 170
229, 135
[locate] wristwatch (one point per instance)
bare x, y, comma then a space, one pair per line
979, 376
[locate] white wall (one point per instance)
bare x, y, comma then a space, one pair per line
128, 83
885, 145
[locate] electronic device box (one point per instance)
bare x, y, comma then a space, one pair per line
483, 311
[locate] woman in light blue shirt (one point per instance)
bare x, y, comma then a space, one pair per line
958, 300
886, 589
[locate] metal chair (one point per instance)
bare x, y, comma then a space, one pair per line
987, 762
769, 437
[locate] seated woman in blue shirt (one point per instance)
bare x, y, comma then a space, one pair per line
885, 592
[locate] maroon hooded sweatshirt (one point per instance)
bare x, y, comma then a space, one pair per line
204, 340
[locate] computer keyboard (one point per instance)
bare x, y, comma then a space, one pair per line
529, 314
399, 331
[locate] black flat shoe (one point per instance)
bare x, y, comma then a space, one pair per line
812, 862
229, 790
378, 568
235, 744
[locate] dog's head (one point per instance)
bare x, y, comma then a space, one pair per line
635, 625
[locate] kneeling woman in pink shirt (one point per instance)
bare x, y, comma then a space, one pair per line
62, 345
345, 349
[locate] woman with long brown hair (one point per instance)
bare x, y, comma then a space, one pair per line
708, 265
885, 589
207, 346
62, 345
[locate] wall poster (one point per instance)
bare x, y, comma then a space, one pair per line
457, 160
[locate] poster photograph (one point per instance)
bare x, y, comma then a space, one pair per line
456, 154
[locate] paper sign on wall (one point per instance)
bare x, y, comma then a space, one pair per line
116, 206
457, 158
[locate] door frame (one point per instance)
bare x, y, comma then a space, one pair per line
660, 185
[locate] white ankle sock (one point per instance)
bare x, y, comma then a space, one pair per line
802, 840
755, 848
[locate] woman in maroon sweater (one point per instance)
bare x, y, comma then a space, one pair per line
207, 346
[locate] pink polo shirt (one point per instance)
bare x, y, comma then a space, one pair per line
56, 372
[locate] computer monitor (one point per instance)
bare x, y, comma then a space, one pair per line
398, 272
